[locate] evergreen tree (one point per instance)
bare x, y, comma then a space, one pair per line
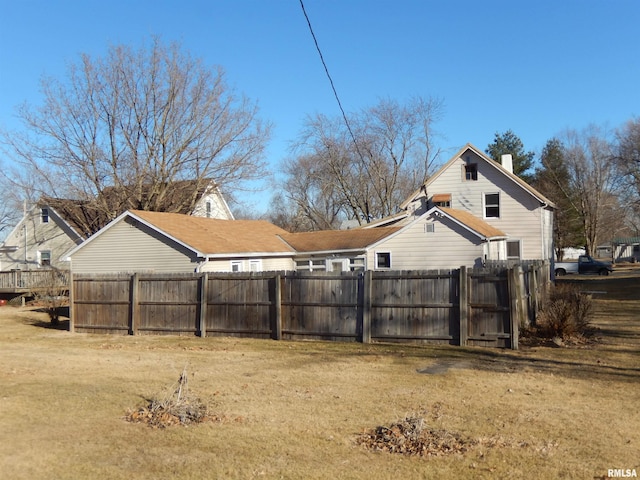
509, 142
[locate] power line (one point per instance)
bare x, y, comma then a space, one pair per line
335, 93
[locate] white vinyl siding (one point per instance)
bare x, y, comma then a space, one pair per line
128, 248
521, 215
31, 236
268, 264
448, 246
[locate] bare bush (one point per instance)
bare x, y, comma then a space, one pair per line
51, 292
566, 313
177, 407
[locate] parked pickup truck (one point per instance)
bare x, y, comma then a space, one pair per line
585, 264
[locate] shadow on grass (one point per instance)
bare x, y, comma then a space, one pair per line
61, 325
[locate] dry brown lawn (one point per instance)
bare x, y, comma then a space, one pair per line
295, 410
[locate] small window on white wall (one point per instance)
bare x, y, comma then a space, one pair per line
513, 249
44, 258
255, 265
236, 265
383, 260
429, 227
492, 205
44, 215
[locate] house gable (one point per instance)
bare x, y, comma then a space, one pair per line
130, 245
472, 182
39, 240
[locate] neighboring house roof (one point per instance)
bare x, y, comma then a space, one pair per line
77, 214
207, 237
86, 217
178, 196
524, 185
471, 222
386, 221
337, 240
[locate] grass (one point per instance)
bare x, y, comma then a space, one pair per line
294, 410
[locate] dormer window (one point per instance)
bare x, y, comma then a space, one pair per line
471, 172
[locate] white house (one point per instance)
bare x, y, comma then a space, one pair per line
53, 226
474, 183
439, 238
140, 241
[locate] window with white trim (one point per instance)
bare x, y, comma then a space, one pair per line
236, 265
208, 208
356, 264
429, 227
383, 260
513, 249
255, 265
310, 264
44, 258
491, 205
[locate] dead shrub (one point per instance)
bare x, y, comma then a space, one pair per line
567, 313
176, 408
411, 436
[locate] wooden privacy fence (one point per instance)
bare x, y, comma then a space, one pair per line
462, 306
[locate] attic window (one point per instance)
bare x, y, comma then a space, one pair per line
471, 171
44, 215
208, 209
429, 227
441, 199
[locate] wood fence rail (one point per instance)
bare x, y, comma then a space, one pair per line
461, 306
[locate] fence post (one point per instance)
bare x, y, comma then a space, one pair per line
202, 298
513, 278
133, 306
72, 315
464, 293
367, 286
277, 303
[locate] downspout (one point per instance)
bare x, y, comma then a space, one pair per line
202, 264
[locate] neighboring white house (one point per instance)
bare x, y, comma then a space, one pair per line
440, 238
38, 240
53, 226
474, 183
139, 241
473, 210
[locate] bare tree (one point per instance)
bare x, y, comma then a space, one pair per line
595, 183
363, 169
628, 158
121, 130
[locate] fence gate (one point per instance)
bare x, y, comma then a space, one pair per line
489, 316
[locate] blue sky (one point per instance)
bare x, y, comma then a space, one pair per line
535, 67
